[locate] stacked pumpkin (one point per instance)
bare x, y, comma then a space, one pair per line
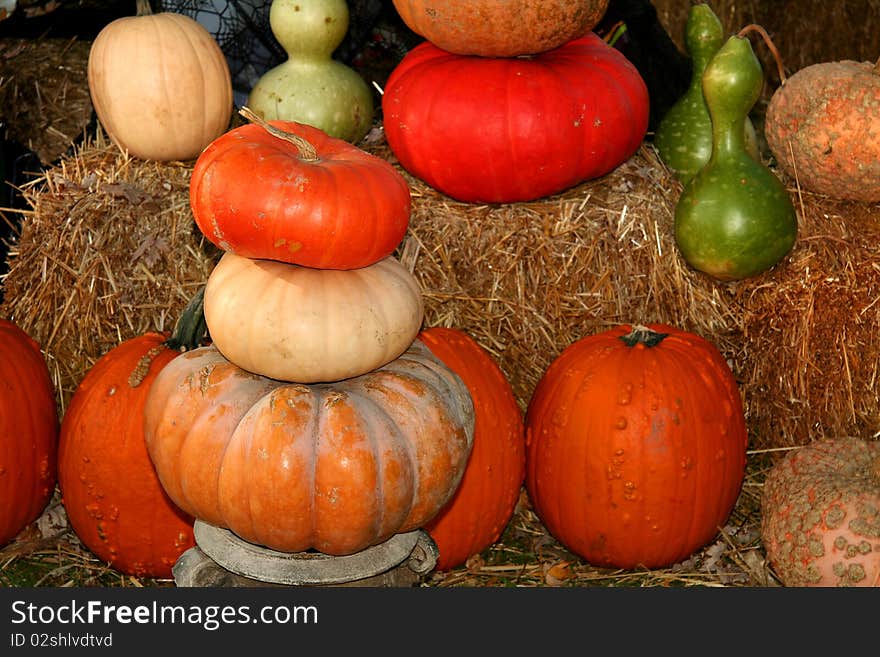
511, 101
316, 419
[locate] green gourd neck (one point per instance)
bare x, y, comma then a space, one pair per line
704, 35
309, 30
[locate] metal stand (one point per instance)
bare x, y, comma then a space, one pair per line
221, 558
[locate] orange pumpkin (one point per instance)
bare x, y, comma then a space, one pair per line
28, 431
820, 514
335, 467
110, 490
823, 127
484, 502
493, 28
636, 446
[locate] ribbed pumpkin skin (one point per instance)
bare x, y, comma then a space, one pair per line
820, 514
333, 467
635, 455
346, 210
109, 487
28, 431
308, 325
160, 85
484, 502
492, 28
823, 128
542, 124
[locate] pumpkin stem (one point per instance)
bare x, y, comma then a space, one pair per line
191, 326
752, 27
143, 7
643, 335
307, 152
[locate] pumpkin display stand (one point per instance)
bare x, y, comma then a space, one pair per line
220, 558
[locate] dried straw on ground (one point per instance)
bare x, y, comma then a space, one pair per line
108, 251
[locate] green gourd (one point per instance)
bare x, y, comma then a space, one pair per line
311, 87
683, 138
734, 219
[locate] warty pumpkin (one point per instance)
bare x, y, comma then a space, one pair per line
307, 325
484, 502
500, 130
635, 446
823, 127
109, 488
820, 514
286, 191
334, 467
159, 84
495, 28
28, 431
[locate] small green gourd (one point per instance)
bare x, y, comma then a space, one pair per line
683, 138
311, 87
734, 219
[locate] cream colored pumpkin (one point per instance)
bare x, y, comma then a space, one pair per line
160, 85
309, 325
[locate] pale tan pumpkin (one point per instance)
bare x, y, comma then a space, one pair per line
305, 324
160, 85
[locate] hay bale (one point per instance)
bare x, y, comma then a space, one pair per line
107, 251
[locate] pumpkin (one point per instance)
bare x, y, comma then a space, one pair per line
345, 209
307, 325
311, 86
823, 127
159, 84
820, 514
485, 500
109, 488
492, 28
531, 127
635, 446
28, 431
335, 467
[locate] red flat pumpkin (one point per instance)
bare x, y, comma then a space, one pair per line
287, 191
504, 129
636, 446
28, 431
109, 488
485, 499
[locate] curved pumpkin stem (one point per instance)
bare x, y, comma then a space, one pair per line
191, 326
643, 335
752, 27
306, 151
143, 7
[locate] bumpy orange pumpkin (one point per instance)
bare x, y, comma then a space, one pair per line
636, 446
160, 85
820, 514
823, 127
28, 431
109, 487
493, 28
484, 502
334, 467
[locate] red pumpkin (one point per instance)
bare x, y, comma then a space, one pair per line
109, 488
335, 467
636, 446
485, 499
294, 194
483, 129
28, 431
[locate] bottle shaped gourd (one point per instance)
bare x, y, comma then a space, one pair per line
734, 219
683, 138
310, 86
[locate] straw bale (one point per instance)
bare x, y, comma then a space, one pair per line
108, 251
44, 93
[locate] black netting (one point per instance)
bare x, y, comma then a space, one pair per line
241, 29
